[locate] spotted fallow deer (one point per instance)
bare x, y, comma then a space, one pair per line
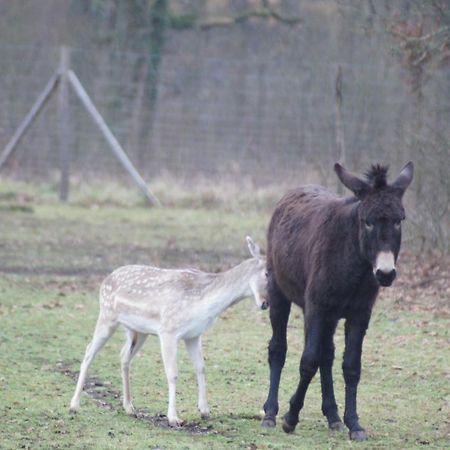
175, 305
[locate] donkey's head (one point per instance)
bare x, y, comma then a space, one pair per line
258, 278
380, 213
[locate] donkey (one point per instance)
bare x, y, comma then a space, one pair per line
173, 304
329, 255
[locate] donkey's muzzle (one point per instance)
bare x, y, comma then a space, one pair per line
385, 278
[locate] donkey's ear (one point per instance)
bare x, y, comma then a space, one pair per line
404, 179
355, 184
253, 247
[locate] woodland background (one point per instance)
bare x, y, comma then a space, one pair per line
254, 92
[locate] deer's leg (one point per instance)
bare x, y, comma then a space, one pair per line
309, 363
194, 348
355, 330
103, 331
329, 406
280, 308
169, 346
134, 342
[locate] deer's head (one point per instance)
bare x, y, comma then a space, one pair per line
258, 278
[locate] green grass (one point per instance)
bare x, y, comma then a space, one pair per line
52, 260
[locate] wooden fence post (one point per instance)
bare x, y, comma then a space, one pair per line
65, 76
29, 118
110, 138
63, 124
340, 141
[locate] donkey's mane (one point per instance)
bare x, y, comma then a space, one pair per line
377, 175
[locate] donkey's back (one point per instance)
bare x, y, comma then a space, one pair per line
304, 238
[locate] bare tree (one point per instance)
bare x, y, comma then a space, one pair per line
422, 39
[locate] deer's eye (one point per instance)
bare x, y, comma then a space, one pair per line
368, 225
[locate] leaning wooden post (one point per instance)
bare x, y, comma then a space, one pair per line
29, 118
114, 144
340, 142
63, 124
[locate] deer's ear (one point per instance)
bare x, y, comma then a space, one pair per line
359, 187
254, 249
404, 178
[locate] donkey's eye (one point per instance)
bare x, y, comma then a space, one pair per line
368, 225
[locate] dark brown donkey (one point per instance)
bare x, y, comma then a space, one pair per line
329, 255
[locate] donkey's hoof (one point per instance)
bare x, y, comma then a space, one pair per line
358, 435
287, 427
336, 426
205, 415
269, 422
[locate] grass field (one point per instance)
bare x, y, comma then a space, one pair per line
52, 259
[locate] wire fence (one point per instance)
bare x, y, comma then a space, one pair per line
266, 118
260, 117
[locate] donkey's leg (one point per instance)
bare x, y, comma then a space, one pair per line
169, 344
355, 330
329, 406
309, 363
134, 342
194, 348
280, 308
103, 331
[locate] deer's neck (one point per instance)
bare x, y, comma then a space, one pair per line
230, 286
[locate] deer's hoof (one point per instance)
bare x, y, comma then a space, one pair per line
288, 427
175, 422
269, 422
336, 426
358, 435
74, 409
130, 410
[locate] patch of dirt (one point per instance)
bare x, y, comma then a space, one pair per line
15, 207
93, 386
107, 398
104, 259
49, 270
160, 420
